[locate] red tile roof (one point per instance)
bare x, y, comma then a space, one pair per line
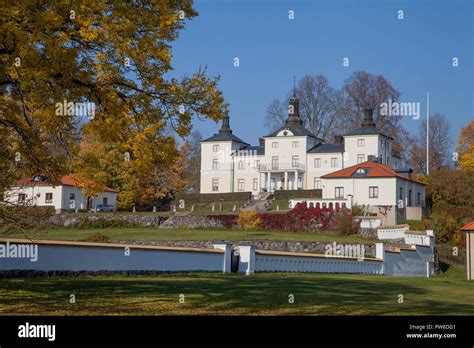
68, 180
468, 227
377, 170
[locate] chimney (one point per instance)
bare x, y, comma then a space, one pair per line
368, 119
261, 142
372, 158
338, 139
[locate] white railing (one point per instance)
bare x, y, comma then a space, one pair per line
265, 167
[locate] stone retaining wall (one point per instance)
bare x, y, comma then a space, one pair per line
291, 246
71, 220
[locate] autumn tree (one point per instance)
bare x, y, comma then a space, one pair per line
112, 55
465, 148
192, 162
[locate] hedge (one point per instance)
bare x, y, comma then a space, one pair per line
195, 198
301, 218
290, 194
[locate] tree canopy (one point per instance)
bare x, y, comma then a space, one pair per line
114, 56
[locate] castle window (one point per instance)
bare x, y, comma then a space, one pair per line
215, 164
373, 192
215, 185
295, 161
339, 192
255, 184
241, 165
21, 198
317, 183
317, 163
360, 142
334, 162
296, 144
215, 148
48, 198
241, 185
360, 158
275, 162
275, 145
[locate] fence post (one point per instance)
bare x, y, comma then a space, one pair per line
227, 247
247, 259
380, 254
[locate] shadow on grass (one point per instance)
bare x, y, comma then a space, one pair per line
232, 294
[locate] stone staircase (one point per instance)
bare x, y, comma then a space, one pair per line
259, 204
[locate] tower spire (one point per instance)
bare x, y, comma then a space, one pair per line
294, 109
294, 86
225, 128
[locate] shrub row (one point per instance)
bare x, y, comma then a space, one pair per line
290, 194
301, 218
195, 198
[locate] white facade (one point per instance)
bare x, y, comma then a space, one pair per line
293, 158
62, 197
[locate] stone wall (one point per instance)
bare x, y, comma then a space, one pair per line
291, 246
71, 220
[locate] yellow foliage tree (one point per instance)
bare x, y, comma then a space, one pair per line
249, 220
113, 55
465, 148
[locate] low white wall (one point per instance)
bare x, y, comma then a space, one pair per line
77, 256
393, 232
369, 223
416, 261
271, 262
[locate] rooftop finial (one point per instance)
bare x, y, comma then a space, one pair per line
294, 86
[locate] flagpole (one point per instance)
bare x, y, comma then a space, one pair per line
427, 132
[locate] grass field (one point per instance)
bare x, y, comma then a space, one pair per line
230, 294
156, 234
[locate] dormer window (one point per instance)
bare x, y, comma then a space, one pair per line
39, 178
361, 172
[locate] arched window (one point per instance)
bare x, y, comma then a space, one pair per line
330, 205
311, 205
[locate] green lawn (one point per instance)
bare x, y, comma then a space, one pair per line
231, 294
157, 234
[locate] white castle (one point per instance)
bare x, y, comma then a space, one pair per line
357, 168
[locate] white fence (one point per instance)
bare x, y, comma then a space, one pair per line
80, 256
416, 261
16, 254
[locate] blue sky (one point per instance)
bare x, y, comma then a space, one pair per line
415, 53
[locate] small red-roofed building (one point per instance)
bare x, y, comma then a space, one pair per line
393, 195
469, 229
64, 196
